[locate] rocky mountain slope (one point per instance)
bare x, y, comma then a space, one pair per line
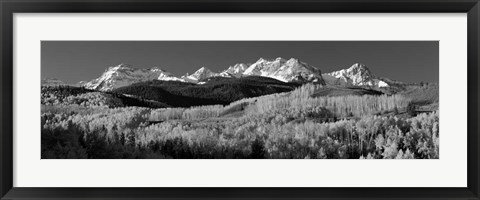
285, 70
291, 70
123, 75
199, 75
235, 71
357, 75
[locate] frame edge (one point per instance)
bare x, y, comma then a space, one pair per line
6, 122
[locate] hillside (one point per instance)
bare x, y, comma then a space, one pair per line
424, 96
289, 125
217, 90
344, 91
69, 95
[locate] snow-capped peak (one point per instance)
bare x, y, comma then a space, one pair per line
203, 70
292, 60
279, 68
284, 70
234, 71
358, 75
125, 74
119, 67
359, 68
200, 74
264, 67
157, 69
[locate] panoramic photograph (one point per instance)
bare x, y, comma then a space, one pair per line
239, 100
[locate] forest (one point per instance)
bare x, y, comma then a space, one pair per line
273, 122
217, 90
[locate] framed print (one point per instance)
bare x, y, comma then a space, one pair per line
233, 99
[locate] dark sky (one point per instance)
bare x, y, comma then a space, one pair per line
74, 61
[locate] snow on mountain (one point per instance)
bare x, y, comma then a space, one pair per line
357, 75
166, 76
382, 84
279, 68
234, 71
332, 80
200, 74
124, 74
284, 70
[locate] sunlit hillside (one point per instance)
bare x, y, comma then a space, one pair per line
311, 121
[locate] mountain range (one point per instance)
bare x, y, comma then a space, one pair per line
155, 87
288, 71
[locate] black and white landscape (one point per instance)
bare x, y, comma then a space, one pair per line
272, 108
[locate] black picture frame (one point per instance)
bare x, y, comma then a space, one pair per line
9, 7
